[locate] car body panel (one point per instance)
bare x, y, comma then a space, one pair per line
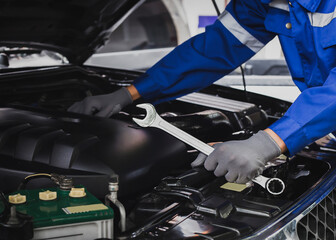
75, 29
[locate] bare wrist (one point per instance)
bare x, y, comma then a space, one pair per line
277, 139
133, 92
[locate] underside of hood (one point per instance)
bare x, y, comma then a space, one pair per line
73, 28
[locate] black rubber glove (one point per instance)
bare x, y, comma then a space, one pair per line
240, 161
103, 105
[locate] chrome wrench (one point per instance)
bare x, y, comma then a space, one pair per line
152, 119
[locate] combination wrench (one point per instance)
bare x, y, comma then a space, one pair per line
153, 119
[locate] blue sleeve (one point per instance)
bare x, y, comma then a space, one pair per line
233, 39
311, 116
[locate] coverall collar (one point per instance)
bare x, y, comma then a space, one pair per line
310, 5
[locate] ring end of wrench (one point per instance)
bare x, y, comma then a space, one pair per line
275, 193
265, 183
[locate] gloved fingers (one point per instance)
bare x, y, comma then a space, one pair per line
242, 179
79, 108
220, 170
109, 111
74, 107
116, 109
89, 107
199, 161
259, 172
231, 176
104, 112
211, 161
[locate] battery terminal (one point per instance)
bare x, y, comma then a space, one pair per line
47, 195
17, 198
77, 192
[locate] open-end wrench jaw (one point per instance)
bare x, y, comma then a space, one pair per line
150, 115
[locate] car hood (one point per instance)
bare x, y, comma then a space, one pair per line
73, 28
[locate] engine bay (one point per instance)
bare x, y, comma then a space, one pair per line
164, 197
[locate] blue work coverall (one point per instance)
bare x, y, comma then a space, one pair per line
307, 33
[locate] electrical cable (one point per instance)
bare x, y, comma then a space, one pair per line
241, 67
32, 176
37, 175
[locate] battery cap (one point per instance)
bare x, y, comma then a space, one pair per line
47, 195
77, 192
17, 198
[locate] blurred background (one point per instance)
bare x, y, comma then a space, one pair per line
157, 26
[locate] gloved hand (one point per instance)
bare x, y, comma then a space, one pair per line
103, 105
240, 161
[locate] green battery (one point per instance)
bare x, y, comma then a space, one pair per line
67, 217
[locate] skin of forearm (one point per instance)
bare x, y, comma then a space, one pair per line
277, 139
134, 92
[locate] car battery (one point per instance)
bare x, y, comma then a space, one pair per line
60, 214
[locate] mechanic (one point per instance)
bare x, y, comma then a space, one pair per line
307, 33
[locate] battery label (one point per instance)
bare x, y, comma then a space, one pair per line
84, 208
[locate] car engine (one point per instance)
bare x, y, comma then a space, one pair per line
164, 198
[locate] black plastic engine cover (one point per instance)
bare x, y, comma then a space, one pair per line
194, 205
87, 148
